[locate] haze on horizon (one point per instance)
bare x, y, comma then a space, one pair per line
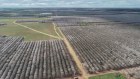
70, 3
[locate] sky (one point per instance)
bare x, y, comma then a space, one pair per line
71, 3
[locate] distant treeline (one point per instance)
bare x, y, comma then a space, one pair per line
2, 24
46, 12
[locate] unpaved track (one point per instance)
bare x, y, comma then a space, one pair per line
38, 31
75, 57
56, 30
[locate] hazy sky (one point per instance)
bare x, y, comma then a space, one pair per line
71, 3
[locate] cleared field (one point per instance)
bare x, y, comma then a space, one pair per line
12, 29
74, 21
43, 27
68, 21
109, 76
35, 60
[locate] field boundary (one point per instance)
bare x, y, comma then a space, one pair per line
74, 56
37, 31
56, 30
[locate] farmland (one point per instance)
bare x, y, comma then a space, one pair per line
104, 45
70, 44
35, 60
109, 76
12, 29
100, 50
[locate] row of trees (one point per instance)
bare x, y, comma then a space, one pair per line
100, 48
35, 60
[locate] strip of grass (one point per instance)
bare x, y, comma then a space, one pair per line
109, 76
43, 27
15, 30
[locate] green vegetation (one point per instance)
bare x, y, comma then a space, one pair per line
12, 29
109, 76
43, 27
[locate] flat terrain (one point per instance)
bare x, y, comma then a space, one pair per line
109, 76
35, 60
103, 47
12, 29
87, 46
